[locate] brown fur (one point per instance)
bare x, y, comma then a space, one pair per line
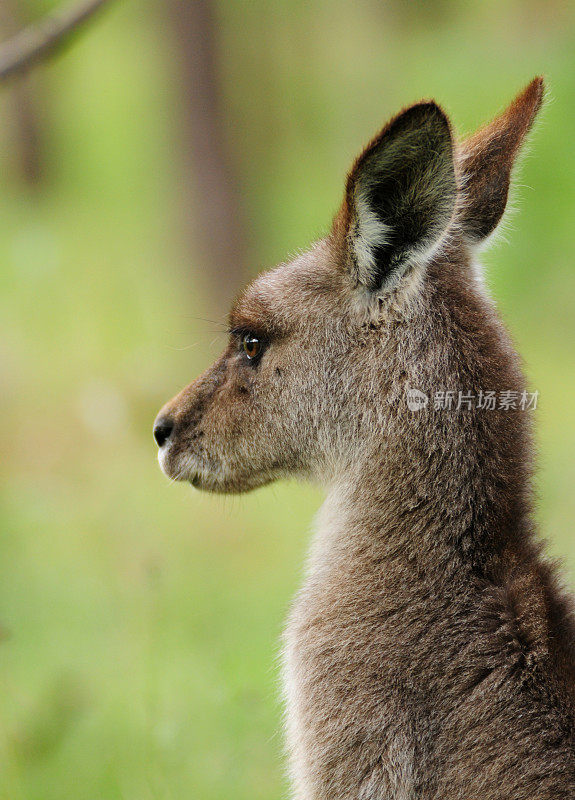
487, 158
430, 652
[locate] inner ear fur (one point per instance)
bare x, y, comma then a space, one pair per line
400, 196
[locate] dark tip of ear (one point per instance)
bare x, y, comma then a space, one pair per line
428, 108
425, 114
425, 108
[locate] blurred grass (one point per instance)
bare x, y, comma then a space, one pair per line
139, 621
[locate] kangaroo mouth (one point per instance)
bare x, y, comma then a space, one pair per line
181, 465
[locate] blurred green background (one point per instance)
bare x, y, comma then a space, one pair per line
174, 149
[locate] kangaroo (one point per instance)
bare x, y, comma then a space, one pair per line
430, 653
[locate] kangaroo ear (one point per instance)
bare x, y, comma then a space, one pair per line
486, 160
400, 197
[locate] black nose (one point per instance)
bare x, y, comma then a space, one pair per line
162, 430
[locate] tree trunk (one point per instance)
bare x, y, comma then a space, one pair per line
214, 215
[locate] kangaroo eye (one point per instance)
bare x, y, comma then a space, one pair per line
252, 346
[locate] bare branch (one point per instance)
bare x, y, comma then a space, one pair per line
40, 41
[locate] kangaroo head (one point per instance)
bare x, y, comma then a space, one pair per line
323, 348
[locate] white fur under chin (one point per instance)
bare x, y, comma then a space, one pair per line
186, 467
162, 457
